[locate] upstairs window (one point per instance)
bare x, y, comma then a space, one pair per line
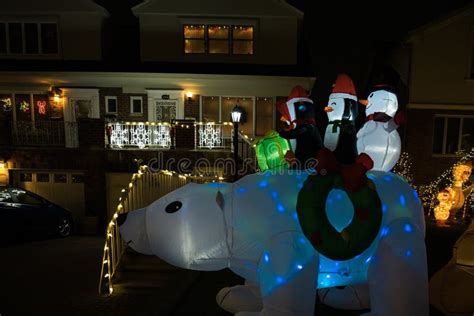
28, 38
136, 105
111, 104
453, 133
218, 39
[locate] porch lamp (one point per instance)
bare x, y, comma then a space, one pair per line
236, 115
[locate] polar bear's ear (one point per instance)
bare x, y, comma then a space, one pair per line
220, 200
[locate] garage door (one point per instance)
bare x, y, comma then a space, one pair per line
65, 188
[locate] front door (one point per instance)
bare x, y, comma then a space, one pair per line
166, 110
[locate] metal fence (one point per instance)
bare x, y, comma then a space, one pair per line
144, 188
40, 133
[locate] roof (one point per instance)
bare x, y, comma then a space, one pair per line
50, 6
228, 8
157, 67
441, 22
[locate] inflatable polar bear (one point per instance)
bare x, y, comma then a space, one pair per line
252, 228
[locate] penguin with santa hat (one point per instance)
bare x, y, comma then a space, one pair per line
340, 135
298, 112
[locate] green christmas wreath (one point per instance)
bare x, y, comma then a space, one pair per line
353, 239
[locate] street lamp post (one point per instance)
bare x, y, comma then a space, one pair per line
236, 115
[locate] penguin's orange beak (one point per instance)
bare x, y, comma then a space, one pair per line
328, 109
364, 102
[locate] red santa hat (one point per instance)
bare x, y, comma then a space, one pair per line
298, 94
343, 88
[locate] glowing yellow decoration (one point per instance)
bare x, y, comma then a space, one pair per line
442, 210
452, 198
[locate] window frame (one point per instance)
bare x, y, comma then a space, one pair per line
132, 98
38, 22
230, 24
220, 98
195, 38
445, 133
111, 97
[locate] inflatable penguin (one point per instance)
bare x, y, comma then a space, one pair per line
379, 137
340, 136
298, 112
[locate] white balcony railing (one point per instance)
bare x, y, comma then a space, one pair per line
213, 135
141, 135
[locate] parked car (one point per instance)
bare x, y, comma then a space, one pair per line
23, 213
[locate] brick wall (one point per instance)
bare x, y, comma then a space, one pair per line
418, 142
123, 104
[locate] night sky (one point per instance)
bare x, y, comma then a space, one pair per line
352, 37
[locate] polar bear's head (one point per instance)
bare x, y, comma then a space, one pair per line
186, 228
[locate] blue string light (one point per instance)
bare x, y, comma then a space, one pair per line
407, 228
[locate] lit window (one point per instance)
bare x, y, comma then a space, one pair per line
28, 38
111, 104
136, 105
194, 39
242, 40
218, 39
452, 134
264, 112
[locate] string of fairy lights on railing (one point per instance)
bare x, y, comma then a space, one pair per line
110, 258
158, 134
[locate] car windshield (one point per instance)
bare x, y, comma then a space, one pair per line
5, 196
24, 197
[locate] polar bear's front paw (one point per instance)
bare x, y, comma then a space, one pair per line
239, 298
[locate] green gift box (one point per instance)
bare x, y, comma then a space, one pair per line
270, 150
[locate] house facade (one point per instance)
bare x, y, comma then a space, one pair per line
73, 126
438, 63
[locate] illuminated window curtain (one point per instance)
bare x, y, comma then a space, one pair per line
264, 116
218, 39
210, 109
242, 40
23, 107
194, 39
6, 106
41, 107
